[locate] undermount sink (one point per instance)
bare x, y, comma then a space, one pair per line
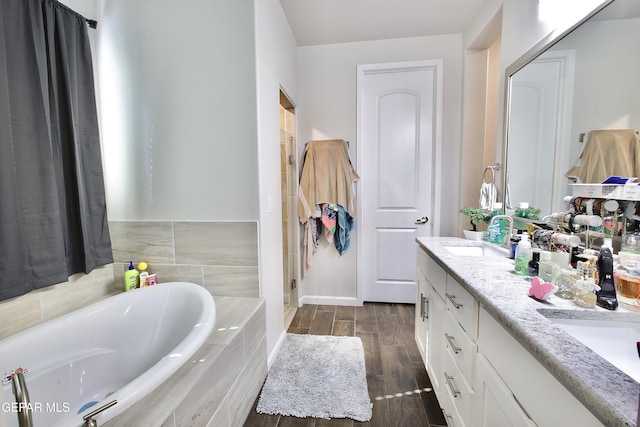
480, 249
613, 340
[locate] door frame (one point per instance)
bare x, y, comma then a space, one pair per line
436, 171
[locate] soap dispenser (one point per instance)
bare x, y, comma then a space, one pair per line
524, 254
606, 295
131, 278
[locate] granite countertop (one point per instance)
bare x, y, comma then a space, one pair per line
610, 394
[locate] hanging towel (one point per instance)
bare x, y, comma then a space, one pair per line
606, 153
311, 240
329, 219
327, 177
487, 196
343, 230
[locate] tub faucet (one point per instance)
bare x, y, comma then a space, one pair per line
507, 239
88, 419
19, 386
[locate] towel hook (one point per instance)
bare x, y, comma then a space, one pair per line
493, 169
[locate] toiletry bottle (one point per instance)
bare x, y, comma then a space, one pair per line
130, 278
523, 255
585, 292
514, 245
143, 276
534, 265
521, 211
496, 231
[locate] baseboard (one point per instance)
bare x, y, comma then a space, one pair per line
313, 299
276, 348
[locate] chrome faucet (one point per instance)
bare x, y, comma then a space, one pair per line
507, 240
19, 386
88, 419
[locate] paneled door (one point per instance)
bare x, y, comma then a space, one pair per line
399, 129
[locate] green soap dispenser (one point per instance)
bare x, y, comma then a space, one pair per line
131, 278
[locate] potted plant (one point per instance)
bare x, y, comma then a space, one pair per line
477, 217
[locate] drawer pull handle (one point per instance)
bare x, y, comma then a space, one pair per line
455, 303
452, 343
449, 380
425, 310
446, 415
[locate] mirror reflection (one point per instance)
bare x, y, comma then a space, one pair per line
587, 81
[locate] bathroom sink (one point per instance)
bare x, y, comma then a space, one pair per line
614, 340
479, 249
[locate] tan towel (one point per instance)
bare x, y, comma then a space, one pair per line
327, 177
613, 152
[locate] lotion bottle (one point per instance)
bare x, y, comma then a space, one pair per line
131, 278
524, 253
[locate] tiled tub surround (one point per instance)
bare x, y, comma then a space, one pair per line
23, 312
220, 383
608, 393
221, 256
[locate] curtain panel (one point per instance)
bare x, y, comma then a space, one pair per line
53, 216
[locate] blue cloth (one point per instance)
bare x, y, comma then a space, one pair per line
342, 237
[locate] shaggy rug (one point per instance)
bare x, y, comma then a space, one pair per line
317, 376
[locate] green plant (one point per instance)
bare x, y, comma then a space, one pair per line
476, 216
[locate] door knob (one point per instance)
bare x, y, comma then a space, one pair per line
422, 220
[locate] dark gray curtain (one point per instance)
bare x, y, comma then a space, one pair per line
53, 217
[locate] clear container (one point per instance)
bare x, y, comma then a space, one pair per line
584, 293
566, 283
630, 243
627, 289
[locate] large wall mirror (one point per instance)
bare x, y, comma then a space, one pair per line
587, 79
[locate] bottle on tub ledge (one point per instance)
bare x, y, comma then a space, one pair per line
131, 278
144, 274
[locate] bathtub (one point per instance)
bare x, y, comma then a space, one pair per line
117, 349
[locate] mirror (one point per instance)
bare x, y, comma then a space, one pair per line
586, 79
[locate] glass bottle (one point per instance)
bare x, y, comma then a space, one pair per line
585, 295
566, 283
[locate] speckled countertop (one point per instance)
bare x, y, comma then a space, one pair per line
611, 395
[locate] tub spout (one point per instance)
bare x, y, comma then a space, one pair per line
19, 386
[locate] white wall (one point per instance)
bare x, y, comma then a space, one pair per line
602, 54
178, 98
327, 100
524, 24
276, 68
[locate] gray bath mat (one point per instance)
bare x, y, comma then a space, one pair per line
317, 376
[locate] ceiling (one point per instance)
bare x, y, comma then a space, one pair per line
338, 21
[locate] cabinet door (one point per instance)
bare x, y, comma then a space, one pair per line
495, 405
421, 315
436, 347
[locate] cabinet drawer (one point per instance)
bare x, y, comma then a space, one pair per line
462, 349
432, 271
457, 389
463, 306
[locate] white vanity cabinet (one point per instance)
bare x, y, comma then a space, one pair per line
538, 393
430, 315
446, 329
495, 405
480, 373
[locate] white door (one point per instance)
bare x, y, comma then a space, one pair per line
399, 116
540, 122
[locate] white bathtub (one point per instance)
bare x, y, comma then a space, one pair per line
117, 349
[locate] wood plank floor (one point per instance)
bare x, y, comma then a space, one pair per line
394, 368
